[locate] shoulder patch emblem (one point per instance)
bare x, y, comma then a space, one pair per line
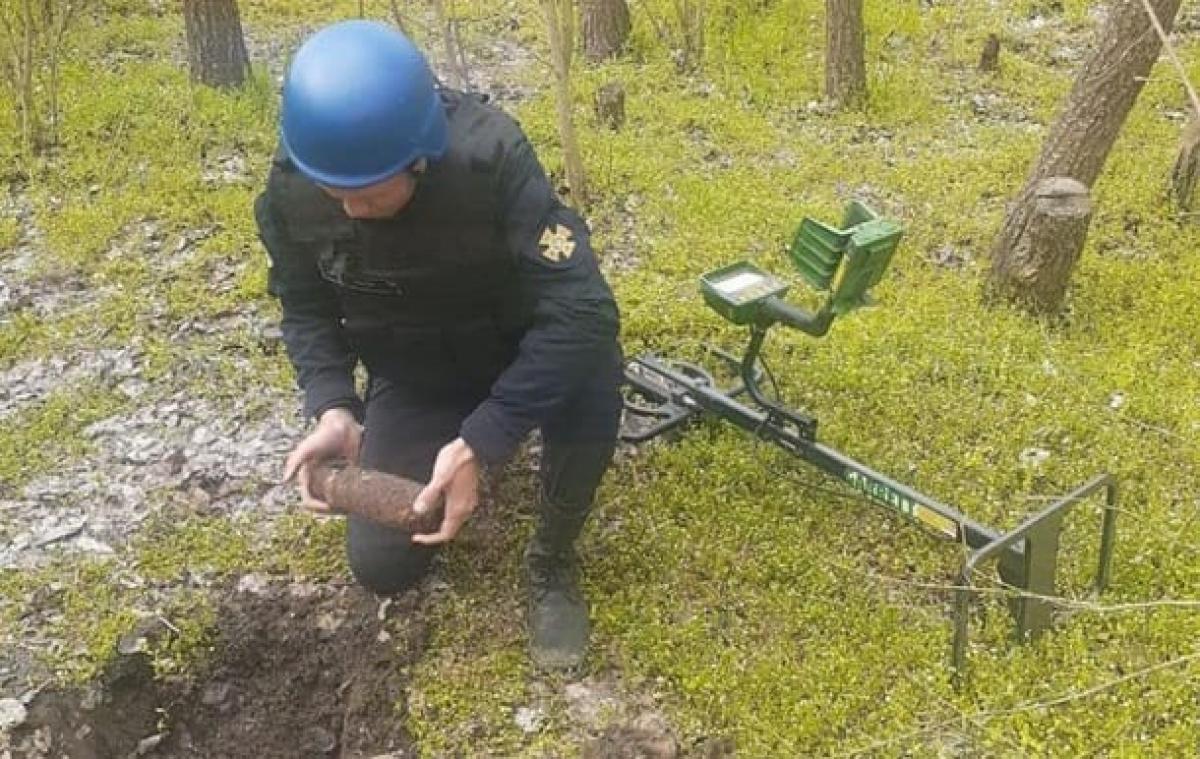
557, 244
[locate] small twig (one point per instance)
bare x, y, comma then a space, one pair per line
1162, 35
463, 66
168, 624
1029, 706
1010, 592
1152, 428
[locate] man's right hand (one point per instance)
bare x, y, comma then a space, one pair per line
338, 435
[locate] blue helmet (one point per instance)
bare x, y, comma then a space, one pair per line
359, 106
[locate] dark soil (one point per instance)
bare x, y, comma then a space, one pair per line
296, 671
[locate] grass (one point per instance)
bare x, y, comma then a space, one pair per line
44, 436
751, 604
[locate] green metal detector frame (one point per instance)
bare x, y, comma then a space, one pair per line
847, 261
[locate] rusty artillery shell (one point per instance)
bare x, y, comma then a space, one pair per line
378, 496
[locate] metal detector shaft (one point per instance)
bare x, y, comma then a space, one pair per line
790, 433
1027, 556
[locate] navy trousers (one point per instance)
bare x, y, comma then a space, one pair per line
406, 428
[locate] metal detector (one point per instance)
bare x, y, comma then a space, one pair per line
846, 261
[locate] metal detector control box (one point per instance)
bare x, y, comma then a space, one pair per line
848, 260
737, 292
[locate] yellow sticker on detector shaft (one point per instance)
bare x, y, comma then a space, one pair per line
931, 518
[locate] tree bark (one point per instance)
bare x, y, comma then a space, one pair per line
610, 105
845, 66
456, 62
692, 16
989, 58
1080, 140
560, 22
398, 18
1036, 271
1187, 166
216, 48
605, 28
30, 125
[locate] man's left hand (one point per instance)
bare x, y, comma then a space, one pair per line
455, 479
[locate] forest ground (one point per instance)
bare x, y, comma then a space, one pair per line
161, 595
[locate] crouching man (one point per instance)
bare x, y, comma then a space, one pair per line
412, 229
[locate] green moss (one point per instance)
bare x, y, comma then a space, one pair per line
478, 694
91, 615
21, 336
190, 645
173, 544
463, 695
724, 576
304, 546
90, 606
49, 434
10, 233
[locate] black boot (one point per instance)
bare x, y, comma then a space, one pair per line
558, 613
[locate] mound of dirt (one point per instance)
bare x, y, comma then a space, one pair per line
296, 671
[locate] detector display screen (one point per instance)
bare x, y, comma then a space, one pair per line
745, 286
738, 282
738, 291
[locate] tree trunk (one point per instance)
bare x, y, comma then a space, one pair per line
1187, 166
605, 28
216, 48
610, 105
1036, 271
398, 18
456, 62
30, 123
845, 68
1080, 140
989, 58
560, 16
692, 16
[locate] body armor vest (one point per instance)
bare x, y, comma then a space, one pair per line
430, 297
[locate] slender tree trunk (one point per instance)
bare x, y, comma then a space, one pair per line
605, 28
692, 17
1079, 142
32, 33
845, 66
456, 62
216, 48
610, 105
54, 49
398, 17
989, 57
29, 117
560, 16
1187, 166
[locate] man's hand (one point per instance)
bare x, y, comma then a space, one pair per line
456, 479
338, 435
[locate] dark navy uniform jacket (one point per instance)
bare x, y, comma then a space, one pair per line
485, 285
